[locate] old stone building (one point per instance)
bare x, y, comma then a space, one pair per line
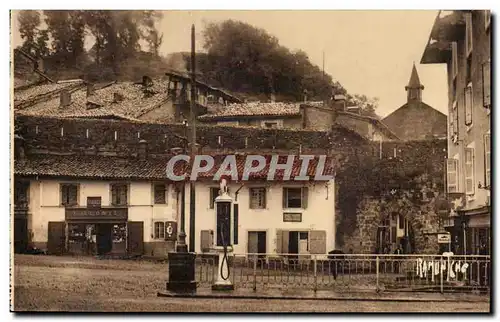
98, 186
317, 116
416, 120
462, 41
164, 99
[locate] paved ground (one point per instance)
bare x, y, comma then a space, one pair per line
66, 284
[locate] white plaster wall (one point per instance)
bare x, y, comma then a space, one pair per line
45, 204
319, 215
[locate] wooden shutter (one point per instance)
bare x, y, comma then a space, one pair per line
252, 242
468, 33
284, 241
56, 237
73, 194
487, 160
317, 242
452, 178
454, 60
279, 240
64, 194
468, 105
305, 196
469, 171
206, 240
135, 237
486, 84
285, 195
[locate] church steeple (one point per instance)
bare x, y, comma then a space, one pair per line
414, 88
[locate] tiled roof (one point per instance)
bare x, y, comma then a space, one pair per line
134, 103
107, 167
93, 166
252, 109
376, 122
329, 167
30, 95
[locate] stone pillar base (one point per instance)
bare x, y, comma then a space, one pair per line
181, 272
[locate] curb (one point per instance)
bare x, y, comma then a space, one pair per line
324, 298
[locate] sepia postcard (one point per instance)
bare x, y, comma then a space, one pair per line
251, 161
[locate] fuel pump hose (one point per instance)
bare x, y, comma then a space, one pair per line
224, 258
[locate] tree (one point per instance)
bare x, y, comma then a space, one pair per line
247, 59
367, 105
34, 39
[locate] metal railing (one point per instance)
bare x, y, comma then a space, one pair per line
351, 272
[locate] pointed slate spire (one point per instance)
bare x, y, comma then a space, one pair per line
414, 87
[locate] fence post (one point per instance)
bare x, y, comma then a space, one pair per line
255, 275
441, 274
315, 273
377, 268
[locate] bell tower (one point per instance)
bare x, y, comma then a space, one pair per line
414, 88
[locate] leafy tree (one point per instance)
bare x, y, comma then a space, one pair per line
245, 58
366, 104
34, 39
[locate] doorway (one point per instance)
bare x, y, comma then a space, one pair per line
257, 243
104, 238
20, 235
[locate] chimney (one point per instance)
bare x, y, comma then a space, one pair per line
339, 102
273, 97
65, 98
143, 149
117, 97
90, 89
146, 81
354, 109
19, 151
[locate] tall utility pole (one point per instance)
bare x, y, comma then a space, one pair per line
323, 64
181, 264
192, 137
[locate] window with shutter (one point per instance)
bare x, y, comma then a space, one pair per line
214, 193
452, 178
487, 160
486, 84
468, 33
454, 60
119, 194
469, 171
69, 194
160, 193
468, 105
257, 198
159, 230
292, 198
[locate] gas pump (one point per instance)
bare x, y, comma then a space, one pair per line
223, 216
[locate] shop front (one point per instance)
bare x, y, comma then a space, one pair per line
97, 231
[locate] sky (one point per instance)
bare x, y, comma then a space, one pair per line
368, 52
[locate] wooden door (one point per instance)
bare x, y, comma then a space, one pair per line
56, 237
135, 238
20, 235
